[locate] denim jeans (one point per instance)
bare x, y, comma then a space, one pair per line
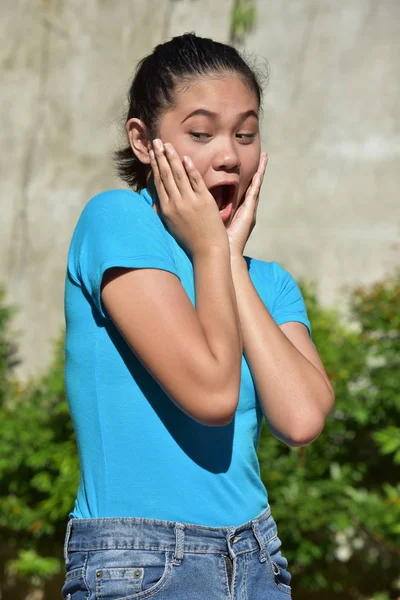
136, 559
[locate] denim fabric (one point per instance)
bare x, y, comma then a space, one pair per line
136, 558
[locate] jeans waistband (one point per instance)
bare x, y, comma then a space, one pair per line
152, 534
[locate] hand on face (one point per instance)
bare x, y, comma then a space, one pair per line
186, 205
215, 122
174, 181
244, 218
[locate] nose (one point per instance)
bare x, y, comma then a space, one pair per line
226, 157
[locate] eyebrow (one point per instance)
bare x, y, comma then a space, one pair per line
213, 115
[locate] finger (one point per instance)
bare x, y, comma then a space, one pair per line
161, 192
195, 179
164, 170
258, 198
253, 191
262, 165
178, 171
262, 168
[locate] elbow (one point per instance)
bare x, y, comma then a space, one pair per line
226, 416
220, 411
221, 399
304, 434
306, 428
301, 440
218, 420
213, 398
220, 416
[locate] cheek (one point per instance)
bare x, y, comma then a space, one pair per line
201, 164
199, 157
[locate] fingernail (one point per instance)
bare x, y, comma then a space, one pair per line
168, 148
157, 144
151, 153
187, 160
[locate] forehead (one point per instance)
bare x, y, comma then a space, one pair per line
224, 95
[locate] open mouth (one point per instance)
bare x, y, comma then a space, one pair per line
224, 195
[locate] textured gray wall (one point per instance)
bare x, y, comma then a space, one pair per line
65, 67
329, 208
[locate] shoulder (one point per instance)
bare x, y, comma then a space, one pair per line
276, 286
114, 202
115, 213
279, 292
264, 273
117, 228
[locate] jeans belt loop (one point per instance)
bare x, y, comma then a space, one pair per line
66, 541
261, 542
179, 543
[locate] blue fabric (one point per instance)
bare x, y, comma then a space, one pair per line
146, 558
140, 456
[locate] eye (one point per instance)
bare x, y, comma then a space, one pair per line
247, 138
200, 136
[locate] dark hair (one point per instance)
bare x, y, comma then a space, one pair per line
157, 77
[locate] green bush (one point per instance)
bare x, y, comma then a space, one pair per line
337, 501
7, 349
38, 466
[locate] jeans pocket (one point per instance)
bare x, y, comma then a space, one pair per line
75, 586
278, 565
129, 574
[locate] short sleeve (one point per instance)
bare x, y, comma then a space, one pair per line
117, 228
289, 303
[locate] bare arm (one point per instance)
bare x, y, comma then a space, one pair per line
294, 390
194, 353
292, 385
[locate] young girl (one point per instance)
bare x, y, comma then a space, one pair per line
178, 346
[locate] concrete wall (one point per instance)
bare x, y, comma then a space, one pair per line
331, 205
329, 208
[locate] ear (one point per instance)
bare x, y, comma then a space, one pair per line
138, 139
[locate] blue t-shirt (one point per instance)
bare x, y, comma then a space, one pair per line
140, 455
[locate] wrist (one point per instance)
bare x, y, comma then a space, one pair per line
239, 269
212, 251
238, 260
